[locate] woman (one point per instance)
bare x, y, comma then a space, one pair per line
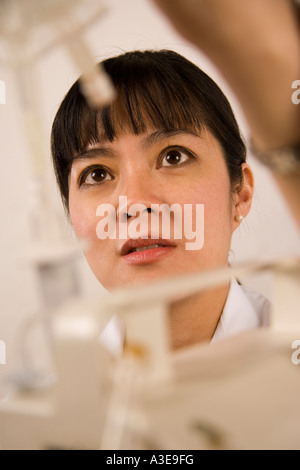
169, 138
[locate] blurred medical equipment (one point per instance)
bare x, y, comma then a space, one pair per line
30, 29
239, 393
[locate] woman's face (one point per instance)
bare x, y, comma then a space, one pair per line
152, 169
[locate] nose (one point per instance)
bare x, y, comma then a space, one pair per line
138, 195
130, 212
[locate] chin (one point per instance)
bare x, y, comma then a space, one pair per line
138, 279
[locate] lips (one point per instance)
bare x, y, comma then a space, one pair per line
140, 244
145, 251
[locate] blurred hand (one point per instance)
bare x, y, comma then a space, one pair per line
256, 46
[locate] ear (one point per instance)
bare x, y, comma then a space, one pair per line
243, 196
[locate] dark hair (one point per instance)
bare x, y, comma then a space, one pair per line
161, 89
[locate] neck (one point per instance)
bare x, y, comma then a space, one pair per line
195, 319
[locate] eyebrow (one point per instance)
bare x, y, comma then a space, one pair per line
162, 134
149, 140
94, 152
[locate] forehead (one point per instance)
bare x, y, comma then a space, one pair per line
149, 137
202, 144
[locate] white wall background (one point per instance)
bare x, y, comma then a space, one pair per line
268, 231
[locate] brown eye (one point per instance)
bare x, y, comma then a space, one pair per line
96, 175
174, 157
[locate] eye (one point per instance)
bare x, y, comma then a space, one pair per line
175, 156
94, 175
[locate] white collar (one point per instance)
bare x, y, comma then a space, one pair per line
243, 310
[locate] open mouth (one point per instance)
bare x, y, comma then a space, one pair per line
144, 248
142, 251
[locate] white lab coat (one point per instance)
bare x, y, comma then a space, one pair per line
244, 310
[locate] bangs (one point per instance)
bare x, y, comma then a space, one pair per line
147, 96
151, 103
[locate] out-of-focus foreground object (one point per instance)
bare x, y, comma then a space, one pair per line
239, 393
29, 30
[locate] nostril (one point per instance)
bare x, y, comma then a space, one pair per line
125, 211
127, 215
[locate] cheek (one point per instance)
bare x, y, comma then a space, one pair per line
216, 198
98, 253
218, 217
219, 212
83, 218
219, 206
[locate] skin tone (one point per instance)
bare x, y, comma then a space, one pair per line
155, 168
256, 47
